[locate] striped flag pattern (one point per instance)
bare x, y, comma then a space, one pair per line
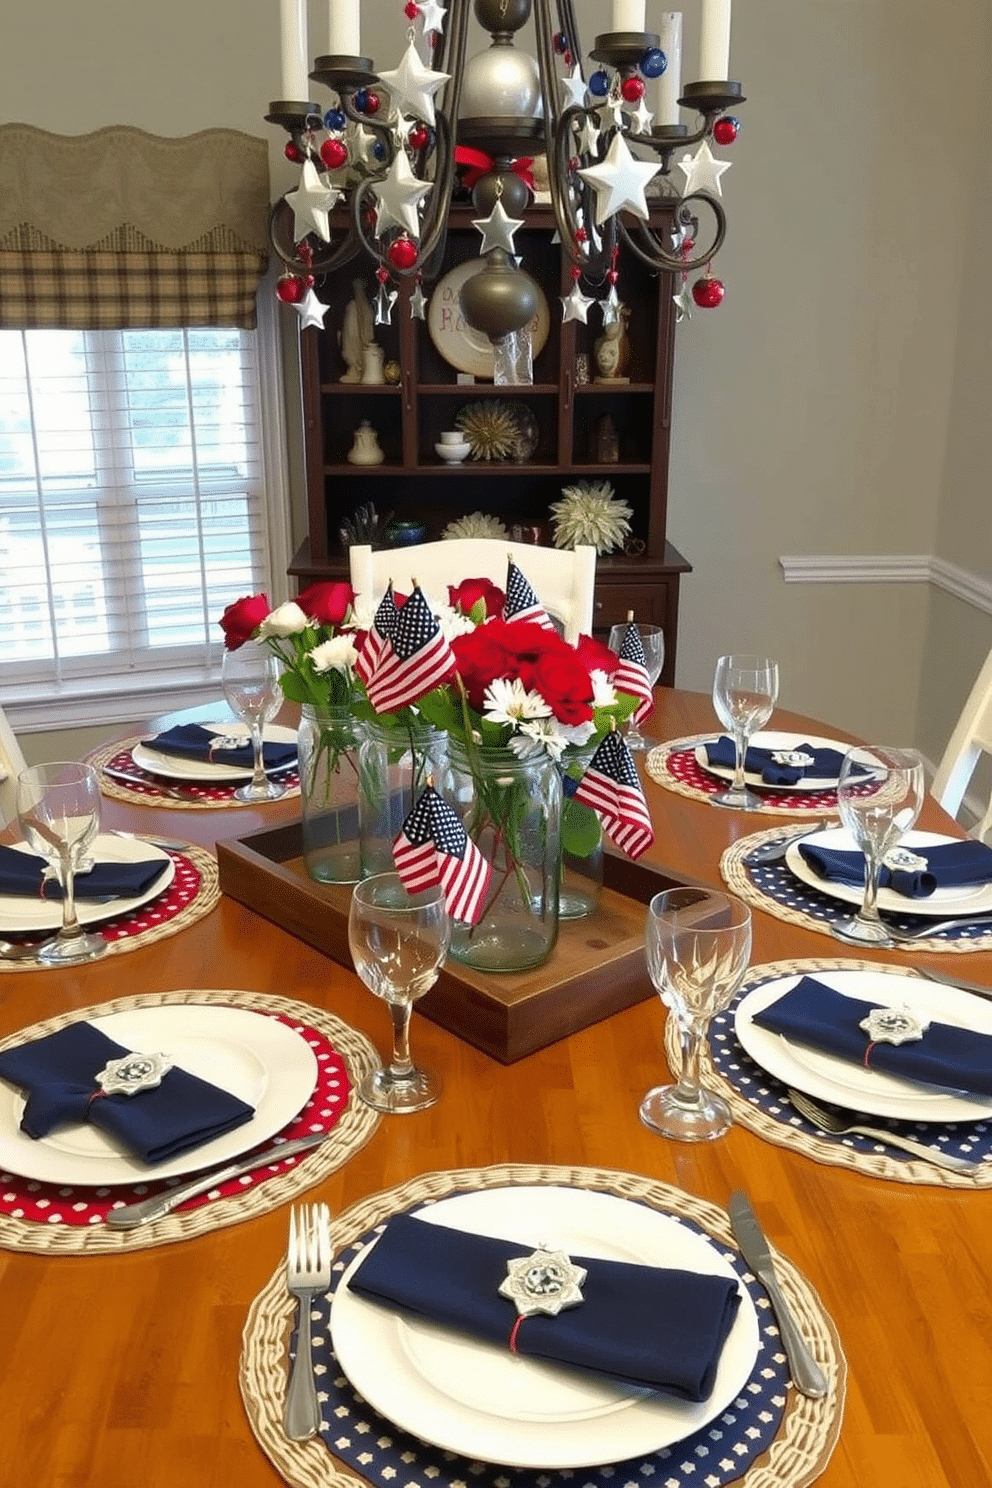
612, 788
433, 847
632, 675
414, 656
382, 628
521, 602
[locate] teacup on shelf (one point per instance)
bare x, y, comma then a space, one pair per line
453, 446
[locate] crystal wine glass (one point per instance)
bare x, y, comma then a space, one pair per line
698, 944
58, 806
879, 793
398, 942
653, 641
745, 689
250, 677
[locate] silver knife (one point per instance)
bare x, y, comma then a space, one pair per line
807, 1376
951, 981
131, 1216
156, 785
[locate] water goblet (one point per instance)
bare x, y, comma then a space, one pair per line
879, 795
653, 642
398, 942
250, 677
698, 944
58, 806
745, 689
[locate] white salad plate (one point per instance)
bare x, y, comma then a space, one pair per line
969, 899
773, 740
22, 914
172, 767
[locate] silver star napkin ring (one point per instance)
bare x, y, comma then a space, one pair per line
545, 1281
225, 741
901, 857
797, 758
894, 1026
133, 1073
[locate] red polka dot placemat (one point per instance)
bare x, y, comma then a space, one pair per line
674, 766
193, 892
177, 795
48, 1217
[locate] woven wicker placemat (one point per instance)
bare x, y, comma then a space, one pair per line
760, 1102
674, 767
200, 905
816, 910
809, 1428
351, 1132
187, 795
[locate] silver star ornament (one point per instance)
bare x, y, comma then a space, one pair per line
311, 203
432, 15
683, 304
384, 302
573, 90
545, 1281
702, 171
412, 85
418, 303
497, 229
575, 306
311, 311
398, 194
619, 181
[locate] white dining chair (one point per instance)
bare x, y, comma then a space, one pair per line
12, 762
971, 739
563, 579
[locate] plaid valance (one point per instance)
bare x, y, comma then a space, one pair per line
125, 229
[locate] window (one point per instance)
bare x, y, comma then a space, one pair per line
132, 505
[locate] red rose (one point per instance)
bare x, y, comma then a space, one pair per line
480, 658
464, 596
326, 603
596, 655
563, 682
241, 619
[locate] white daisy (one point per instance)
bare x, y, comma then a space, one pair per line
510, 702
545, 732
577, 733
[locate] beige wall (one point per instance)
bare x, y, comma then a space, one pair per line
833, 404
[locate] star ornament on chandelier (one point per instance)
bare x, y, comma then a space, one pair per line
641, 118
398, 194
619, 181
573, 89
412, 85
610, 307
311, 203
418, 302
384, 302
575, 305
432, 15
702, 171
497, 229
683, 304
311, 311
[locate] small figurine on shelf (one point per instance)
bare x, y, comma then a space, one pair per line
356, 333
612, 350
366, 449
372, 365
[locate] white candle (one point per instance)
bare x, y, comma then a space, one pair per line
714, 42
628, 15
293, 34
344, 22
670, 82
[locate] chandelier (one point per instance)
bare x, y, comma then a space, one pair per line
379, 164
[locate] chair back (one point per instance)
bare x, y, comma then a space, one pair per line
563, 579
972, 737
12, 762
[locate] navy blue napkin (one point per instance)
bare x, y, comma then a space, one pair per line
949, 865
826, 764
21, 873
58, 1072
814, 1014
644, 1325
190, 741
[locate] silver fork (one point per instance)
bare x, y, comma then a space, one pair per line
839, 1125
935, 925
308, 1275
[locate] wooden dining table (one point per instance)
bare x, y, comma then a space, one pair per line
122, 1370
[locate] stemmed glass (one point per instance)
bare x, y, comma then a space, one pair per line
698, 944
250, 677
398, 942
745, 689
653, 641
58, 806
879, 793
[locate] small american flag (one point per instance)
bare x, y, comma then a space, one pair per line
632, 675
434, 848
382, 628
612, 788
521, 601
413, 659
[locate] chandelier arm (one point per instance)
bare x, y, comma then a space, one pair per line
284, 242
569, 26
639, 237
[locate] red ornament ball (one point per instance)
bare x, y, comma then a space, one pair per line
292, 152
290, 289
708, 292
419, 137
403, 253
726, 130
309, 280
334, 153
632, 89
373, 103
411, 10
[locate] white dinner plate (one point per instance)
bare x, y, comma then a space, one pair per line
172, 767
941, 904
846, 1083
773, 740
466, 1396
23, 914
255, 1057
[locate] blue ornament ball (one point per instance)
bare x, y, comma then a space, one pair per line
654, 63
361, 100
561, 43
379, 150
335, 119
599, 84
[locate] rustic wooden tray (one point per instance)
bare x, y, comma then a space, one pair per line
596, 968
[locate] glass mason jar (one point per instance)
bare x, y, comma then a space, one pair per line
511, 809
328, 752
581, 841
395, 762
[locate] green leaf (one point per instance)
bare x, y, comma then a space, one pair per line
581, 832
